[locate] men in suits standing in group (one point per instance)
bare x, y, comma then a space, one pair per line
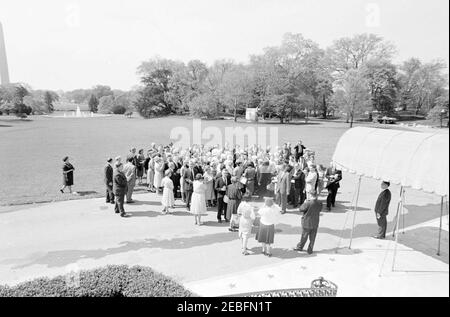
335, 176
188, 178
221, 185
310, 222
129, 170
109, 179
382, 209
120, 189
283, 187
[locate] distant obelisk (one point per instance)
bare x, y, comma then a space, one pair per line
4, 74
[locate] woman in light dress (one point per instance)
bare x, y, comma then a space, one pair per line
246, 219
311, 181
168, 199
198, 200
209, 182
159, 172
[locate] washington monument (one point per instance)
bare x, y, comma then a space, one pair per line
4, 74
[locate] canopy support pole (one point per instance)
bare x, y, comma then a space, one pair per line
354, 212
397, 215
440, 226
403, 211
397, 223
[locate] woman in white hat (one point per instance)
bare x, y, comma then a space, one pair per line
269, 214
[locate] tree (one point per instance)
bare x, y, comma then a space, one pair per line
420, 84
106, 104
351, 53
353, 95
235, 89
381, 76
49, 98
204, 105
440, 110
287, 72
93, 103
20, 93
101, 91
35, 103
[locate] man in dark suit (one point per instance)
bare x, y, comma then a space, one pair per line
120, 189
299, 187
109, 179
298, 150
335, 177
221, 185
189, 176
382, 209
310, 222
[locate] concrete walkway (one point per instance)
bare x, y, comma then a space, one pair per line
52, 239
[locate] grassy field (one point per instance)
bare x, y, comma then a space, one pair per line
32, 150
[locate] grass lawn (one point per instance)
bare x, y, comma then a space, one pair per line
32, 150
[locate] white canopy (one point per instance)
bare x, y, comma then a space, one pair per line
410, 159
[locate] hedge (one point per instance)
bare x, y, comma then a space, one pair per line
109, 281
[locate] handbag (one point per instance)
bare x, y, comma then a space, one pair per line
226, 200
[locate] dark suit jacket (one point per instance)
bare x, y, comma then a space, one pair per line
334, 184
120, 183
109, 174
219, 184
383, 201
188, 180
198, 170
311, 216
299, 179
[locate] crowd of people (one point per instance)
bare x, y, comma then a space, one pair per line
227, 179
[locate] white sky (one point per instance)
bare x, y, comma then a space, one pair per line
68, 44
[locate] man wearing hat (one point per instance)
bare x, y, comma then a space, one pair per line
382, 209
109, 178
120, 188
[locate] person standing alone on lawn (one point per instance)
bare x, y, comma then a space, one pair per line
109, 178
382, 209
310, 222
67, 175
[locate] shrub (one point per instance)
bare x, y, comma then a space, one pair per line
109, 281
118, 109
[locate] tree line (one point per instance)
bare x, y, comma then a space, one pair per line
355, 76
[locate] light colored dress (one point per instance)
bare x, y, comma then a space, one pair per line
246, 219
159, 167
182, 179
209, 182
151, 173
198, 201
310, 181
168, 199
